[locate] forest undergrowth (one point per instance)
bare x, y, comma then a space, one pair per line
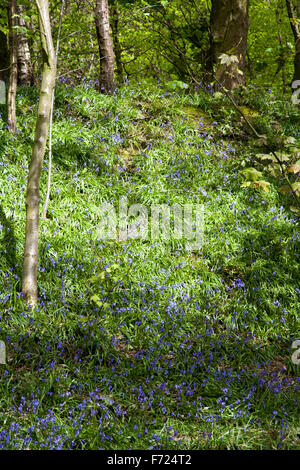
141, 343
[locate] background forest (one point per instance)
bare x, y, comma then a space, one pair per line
140, 343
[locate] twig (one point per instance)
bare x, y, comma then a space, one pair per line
68, 73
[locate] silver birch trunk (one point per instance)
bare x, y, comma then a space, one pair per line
106, 52
30, 266
24, 59
13, 75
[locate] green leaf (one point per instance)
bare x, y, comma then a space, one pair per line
246, 184
228, 59
266, 156
290, 140
294, 209
251, 174
296, 188
294, 168
273, 169
177, 84
262, 185
283, 157
98, 277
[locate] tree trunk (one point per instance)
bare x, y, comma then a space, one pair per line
297, 55
115, 34
4, 58
29, 281
13, 75
229, 24
293, 17
297, 61
107, 60
25, 75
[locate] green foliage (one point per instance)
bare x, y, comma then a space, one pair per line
139, 343
3, 20
116, 319
176, 84
269, 62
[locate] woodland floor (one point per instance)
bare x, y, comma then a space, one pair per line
168, 348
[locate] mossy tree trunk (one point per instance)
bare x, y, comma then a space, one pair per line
229, 24
30, 266
105, 44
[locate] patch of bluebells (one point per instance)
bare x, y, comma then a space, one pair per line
196, 372
181, 352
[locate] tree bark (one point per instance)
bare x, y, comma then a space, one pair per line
25, 73
13, 75
293, 17
51, 118
4, 58
115, 35
30, 265
229, 23
107, 60
297, 61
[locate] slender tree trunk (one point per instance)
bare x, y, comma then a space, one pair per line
25, 74
229, 24
293, 17
51, 118
297, 61
4, 58
114, 13
107, 60
29, 281
13, 75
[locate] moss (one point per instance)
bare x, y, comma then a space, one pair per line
249, 113
195, 115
